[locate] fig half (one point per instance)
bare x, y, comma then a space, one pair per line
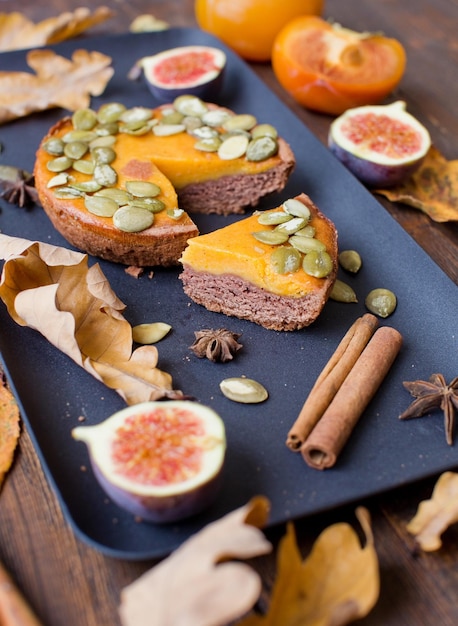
161, 461
382, 145
194, 70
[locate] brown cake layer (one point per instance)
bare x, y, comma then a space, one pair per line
233, 296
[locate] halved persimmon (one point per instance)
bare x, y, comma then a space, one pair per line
330, 69
249, 26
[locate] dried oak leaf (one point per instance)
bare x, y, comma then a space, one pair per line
434, 516
57, 82
18, 32
52, 290
198, 585
433, 188
9, 429
338, 582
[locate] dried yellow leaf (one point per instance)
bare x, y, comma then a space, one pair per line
338, 583
9, 429
57, 82
434, 516
17, 31
198, 585
52, 290
433, 188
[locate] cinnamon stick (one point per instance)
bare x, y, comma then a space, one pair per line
329, 436
331, 378
14, 610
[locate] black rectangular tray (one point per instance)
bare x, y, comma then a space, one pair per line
383, 452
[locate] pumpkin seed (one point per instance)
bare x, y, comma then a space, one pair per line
190, 105
261, 149
104, 141
103, 154
296, 208
264, 130
307, 244
285, 260
175, 214
173, 117
151, 204
59, 164
271, 237
317, 264
120, 196
244, 390
105, 175
350, 260
274, 218
233, 148
79, 135
67, 193
84, 166
150, 333
191, 122
86, 186
58, 180
84, 119
215, 117
204, 132
133, 219
211, 144
75, 149
341, 292
54, 146
136, 114
135, 129
107, 130
165, 130
142, 188
381, 302
307, 231
243, 121
291, 226
98, 205
110, 112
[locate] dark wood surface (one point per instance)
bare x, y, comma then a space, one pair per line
67, 582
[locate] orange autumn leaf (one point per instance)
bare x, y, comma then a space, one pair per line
17, 31
52, 290
434, 516
199, 584
57, 82
9, 429
337, 584
433, 188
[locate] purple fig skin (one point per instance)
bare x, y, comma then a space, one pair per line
206, 91
162, 510
374, 174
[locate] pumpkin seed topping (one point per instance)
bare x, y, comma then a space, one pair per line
244, 390
101, 206
233, 148
132, 219
110, 112
285, 259
261, 148
142, 188
84, 119
271, 237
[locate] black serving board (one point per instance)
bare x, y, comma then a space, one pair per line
383, 452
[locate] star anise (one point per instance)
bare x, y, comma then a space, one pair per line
217, 345
434, 394
18, 186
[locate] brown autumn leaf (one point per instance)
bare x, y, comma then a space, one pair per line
337, 584
57, 82
52, 290
434, 516
433, 188
9, 429
18, 32
198, 584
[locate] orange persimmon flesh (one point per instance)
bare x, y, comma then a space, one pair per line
330, 69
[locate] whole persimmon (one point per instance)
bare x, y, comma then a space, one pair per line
249, 26
330, 69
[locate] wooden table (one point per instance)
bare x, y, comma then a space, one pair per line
67, 582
